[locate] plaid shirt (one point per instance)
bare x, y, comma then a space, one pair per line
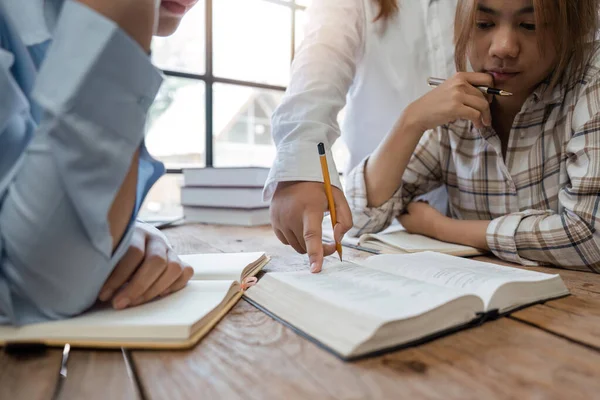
543, 201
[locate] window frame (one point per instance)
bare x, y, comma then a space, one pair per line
210, 79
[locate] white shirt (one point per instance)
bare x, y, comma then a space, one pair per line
374, 68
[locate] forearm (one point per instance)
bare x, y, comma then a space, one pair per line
533, 236
95, 113
386, 166
323, 70
468, 233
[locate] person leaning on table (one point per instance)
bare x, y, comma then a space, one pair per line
76, 83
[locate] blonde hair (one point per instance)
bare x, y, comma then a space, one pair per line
573, 23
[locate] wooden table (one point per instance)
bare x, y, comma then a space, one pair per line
549, 351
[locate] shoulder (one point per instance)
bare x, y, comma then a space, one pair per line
586, 90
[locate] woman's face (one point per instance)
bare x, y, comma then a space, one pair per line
170, 14
505, 45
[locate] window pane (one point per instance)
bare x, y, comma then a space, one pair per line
164, 199
299, 28
252, 41
305, 3
242, 125
184, 50
176, 123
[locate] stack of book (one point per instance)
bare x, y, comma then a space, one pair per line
225, 196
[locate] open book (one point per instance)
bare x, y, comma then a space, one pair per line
396, 240
179, 320
392, 301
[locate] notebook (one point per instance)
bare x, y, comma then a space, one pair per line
396, 240
393, 301
179, 320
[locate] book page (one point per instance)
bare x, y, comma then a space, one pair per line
327, 232
468, 276
221, 266
410, 243
167, 318
371, 292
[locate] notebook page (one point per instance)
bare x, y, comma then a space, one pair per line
220, 266
412, 242
168, 318
371, 292
462, 274
327, 232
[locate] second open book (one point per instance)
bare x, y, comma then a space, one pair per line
389, 301
179, 320
396, 240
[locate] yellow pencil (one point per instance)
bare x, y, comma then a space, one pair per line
329, 192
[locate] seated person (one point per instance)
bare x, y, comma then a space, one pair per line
76, 83
522, 171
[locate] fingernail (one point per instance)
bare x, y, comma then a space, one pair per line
105, 295
313, 267
122, 303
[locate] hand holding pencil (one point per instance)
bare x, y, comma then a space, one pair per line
329, 193
456, 98
297, 211
435, 82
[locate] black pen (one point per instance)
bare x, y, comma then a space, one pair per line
432, 82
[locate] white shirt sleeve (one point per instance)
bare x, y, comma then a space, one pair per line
322, 73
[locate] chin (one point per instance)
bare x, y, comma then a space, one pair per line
167, 26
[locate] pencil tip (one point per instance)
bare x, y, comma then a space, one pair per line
505, 93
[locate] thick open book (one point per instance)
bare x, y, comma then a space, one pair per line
179, 320
396, 240
392, 301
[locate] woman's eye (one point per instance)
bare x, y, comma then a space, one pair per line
484, 25
529, 27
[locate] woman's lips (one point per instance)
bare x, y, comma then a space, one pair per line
502, 76
174, 7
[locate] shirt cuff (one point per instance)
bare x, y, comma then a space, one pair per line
368, 219
95, 70
501, 237
299, 162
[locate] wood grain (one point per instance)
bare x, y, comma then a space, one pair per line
29, 377
250, 356
575, 317
98, 375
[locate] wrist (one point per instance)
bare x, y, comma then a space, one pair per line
441, 228
410, 122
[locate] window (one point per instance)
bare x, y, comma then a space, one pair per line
242, 125
227, 67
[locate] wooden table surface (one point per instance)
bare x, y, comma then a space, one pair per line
549, 351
